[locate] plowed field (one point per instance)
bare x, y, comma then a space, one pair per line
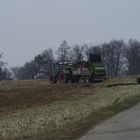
17, 95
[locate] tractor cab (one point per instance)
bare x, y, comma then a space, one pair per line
64, 66
62, 72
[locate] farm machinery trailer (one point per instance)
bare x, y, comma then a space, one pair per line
83, 71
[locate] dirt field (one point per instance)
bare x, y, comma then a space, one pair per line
40, 111
18, 95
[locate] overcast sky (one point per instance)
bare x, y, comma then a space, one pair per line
27, 27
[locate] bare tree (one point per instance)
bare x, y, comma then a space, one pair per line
16, 72
63, 52
2, 63
28, 71
94, 49
132, 54
47, 62
39, 68
76, 53
111, 54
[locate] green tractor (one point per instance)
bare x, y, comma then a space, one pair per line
83, 71
62, 72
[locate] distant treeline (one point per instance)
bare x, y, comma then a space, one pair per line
118, 56
5, 73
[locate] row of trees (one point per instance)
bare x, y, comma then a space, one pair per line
119, 58
38, 68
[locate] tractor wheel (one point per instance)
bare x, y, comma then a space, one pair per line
52, 79
62, 78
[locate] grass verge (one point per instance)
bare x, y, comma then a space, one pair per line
103, 114
77, 129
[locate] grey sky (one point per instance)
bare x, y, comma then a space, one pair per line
27, 27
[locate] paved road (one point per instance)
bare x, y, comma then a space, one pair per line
124, 126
